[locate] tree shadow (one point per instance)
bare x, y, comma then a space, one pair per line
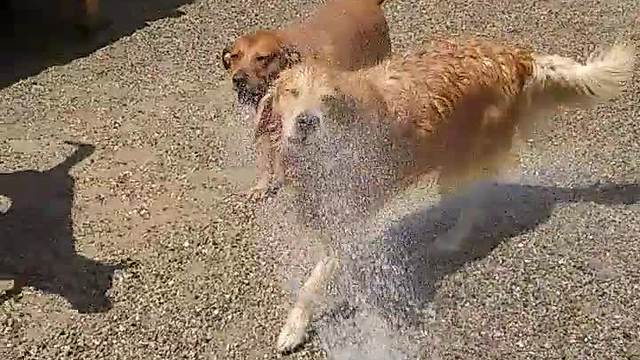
36, 237
409, 269
33, 37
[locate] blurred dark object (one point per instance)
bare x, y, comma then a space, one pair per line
36, 34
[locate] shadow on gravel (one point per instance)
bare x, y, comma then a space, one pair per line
511, 210
34, 37
36, 237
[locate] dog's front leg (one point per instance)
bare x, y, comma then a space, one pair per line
279, 170
471, 214
295, 329
264, 161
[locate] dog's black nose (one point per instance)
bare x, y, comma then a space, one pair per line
307, 120
240, 79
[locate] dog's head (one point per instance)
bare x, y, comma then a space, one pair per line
254, 62
310, 105
339, 154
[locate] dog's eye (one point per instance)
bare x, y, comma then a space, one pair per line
262, 58
233, 56
293, 92
307, 120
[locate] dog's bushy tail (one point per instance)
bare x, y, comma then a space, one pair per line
557, 81
563, 81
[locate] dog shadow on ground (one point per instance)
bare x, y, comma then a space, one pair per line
33, 37
36, 237
511, 210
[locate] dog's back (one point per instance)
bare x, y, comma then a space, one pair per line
460, 103
422, 89
348, 34
456, 105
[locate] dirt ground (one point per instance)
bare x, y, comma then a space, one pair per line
135, 248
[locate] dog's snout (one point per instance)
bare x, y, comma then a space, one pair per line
307, 120
240, 79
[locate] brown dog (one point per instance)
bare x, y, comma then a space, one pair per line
345, 34
453, 108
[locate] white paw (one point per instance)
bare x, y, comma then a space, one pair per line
256, 193
294, 332
5, 204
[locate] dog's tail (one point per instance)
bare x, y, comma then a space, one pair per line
563, 81
556, 81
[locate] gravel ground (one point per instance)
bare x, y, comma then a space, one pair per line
140, 252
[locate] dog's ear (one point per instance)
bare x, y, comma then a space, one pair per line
226, 57
264, 114
290, 56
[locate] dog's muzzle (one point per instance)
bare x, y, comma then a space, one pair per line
307, 121
246, 92
240, 80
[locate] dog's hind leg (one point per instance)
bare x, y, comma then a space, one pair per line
454, 239
295, 329
471, 214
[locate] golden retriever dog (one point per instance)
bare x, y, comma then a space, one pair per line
452, 108
346, 34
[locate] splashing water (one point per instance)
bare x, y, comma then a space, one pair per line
340, 177
370, 304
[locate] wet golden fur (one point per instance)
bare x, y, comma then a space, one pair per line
452, 107
456, 104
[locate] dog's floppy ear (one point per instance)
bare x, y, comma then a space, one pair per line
290, 55
264, 114
226, 57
